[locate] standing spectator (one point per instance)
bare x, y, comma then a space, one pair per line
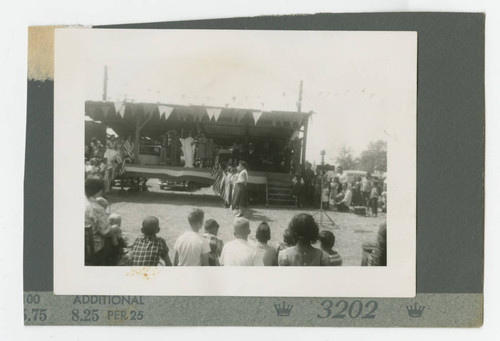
240, 200
148, 249
357, 200
298, 190
96, 219
216, 244
268, 253
239, 252
383, 198
305, 232
366, 189
308, 177
327, 241
228, 185
330, 173
341, 175
191, 249
374, 198
110, 166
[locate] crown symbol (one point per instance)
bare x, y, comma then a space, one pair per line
283, 310
415, 310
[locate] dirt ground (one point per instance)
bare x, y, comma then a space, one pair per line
172, 209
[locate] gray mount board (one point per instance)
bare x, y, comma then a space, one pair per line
450, 143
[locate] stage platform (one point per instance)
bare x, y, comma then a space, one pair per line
199, 175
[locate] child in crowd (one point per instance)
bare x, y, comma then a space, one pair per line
94, 170
104, 203
268, 254
115, 233
117, 240
115, 222
191, 249
216, 244
148, 249
327, 240
374, 194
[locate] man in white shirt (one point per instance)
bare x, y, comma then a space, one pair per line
341, 175
239, 252
191, 248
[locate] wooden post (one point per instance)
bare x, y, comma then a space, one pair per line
306, 126
137, 139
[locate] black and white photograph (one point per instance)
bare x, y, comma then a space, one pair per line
242, 148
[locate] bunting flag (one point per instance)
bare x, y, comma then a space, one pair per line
198, 115
165, 111
256, 116
120, 108
214, 112
239, 114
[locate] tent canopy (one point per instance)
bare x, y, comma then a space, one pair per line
157, 118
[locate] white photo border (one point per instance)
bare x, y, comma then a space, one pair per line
72, 277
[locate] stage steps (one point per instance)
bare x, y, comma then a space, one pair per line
279, 190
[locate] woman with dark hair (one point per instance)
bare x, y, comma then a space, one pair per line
304, 231
96, 220
240, 190
268, 253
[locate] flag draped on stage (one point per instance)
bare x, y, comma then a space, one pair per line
127, 152
219, 185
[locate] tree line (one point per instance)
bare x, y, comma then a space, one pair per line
373, 159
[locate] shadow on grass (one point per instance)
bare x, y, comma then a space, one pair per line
170, 198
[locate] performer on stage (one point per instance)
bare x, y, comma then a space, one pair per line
188, 150
240, 198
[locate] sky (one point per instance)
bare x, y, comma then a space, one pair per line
348, 78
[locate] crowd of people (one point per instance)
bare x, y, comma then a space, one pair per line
105, 162
200, 244
333, 188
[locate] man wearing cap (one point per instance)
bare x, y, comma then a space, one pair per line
239, 252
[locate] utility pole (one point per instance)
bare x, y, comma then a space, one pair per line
105, 87
306, 126
299, 103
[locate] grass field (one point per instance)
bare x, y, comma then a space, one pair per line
172, 209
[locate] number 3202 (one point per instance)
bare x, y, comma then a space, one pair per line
354, 310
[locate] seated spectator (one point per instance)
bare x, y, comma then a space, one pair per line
378, 257
239, 252
216, 244
286, 243
344, 204
148, 249
94, 170
304, 231
327, 241
191, 249
96, 219
268, 253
